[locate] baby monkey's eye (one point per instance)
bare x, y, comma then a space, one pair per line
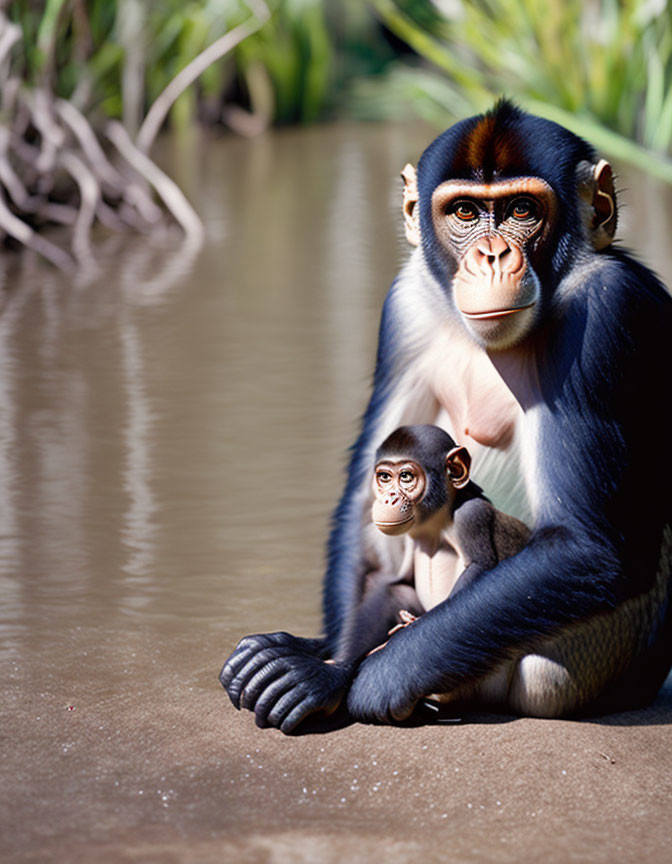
407, 476
383, 476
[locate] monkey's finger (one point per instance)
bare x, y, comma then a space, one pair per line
244, 650
247, 648
261, 679
271, 658
233, 664
400, 711
267, 700
407, 617
237, 685
297, 714
286, 703
377, 648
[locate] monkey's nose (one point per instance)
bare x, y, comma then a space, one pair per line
493, 247
495, 255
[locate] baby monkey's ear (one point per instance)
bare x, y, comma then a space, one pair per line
458, 462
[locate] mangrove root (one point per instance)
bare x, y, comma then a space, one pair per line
54, 170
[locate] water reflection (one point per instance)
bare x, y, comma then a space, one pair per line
139, 529
173, 427
10, 588
142, 284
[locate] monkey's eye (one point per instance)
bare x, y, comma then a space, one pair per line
407, 476
523, 208
383, 476
466, 211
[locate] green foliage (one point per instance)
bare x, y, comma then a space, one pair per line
71, 39
599, 64
601, 67
295, 52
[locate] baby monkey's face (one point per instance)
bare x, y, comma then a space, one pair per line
398, 487
407, 494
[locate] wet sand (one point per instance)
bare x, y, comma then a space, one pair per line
172, 440
168, 771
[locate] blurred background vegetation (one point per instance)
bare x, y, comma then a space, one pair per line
600, 67
588, 63
603, 62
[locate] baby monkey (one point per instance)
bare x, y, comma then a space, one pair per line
453, 533
422, 488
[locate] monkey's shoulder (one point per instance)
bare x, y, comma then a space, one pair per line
510, 534
479, 523
615, 282
473, 522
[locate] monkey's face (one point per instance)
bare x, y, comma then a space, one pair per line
502, 205
494, 232
398, 486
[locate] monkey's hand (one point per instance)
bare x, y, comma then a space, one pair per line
251, 646
381, 691
283, 687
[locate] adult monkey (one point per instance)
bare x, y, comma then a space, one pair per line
518, 328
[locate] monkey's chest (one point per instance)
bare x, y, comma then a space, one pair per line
467, 386
435, 575
478, 409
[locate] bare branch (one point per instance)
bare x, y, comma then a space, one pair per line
137, 196
131, 191
9, 178
89, 192
13, 226
131, 32
109, 217
60, 213
162, 105
53, 136
131, 216
10, 34
86, 138
167, 189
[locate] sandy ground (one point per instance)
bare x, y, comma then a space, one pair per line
171, 772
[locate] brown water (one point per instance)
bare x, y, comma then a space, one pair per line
172, 440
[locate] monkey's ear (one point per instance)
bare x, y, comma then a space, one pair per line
596, 188
411, 217
458, 463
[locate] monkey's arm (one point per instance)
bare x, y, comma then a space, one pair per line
398, 396
474, 526
348, 560
272, 676
486, 536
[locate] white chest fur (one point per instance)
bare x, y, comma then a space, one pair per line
435, 575
477, 408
